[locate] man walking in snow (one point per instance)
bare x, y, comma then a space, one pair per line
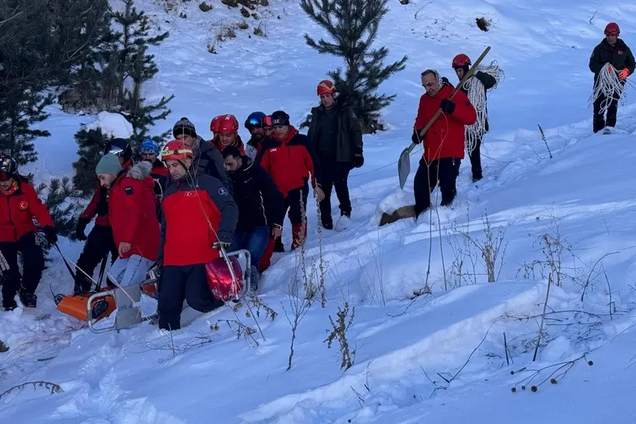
611, 62
132, 216
207, 159
289, 158
260, 206
198, 218
475, 88
159, 173
256, 126
337, 137
19, 204
443, 142
100, 241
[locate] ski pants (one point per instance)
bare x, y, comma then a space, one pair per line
255, 242
295, 204
187, 282
99, 243
601, 121
33, 258
336, 175
475, 161
131, 270
442, 171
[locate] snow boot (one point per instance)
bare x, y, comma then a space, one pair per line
343, 222
299, 235
29, 300
255, 277
607, 131
327, 225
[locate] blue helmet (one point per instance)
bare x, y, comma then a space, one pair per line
255, 119
120, 148
149, 146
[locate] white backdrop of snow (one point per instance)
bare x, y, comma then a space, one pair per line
584, 193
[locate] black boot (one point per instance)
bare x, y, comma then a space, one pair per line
29, 300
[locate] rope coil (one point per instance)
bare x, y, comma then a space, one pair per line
608, 85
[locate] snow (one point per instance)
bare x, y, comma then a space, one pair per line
112, 125
437, 357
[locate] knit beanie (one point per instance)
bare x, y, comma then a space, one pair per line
108, 164
184, 126
280, 118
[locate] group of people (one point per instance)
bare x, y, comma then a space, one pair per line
178, 206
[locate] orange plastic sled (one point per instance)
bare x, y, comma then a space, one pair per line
75, 305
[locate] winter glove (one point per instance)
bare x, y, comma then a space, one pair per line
49, 233
81, 227
221, 244
622, 75
358, 160
415, 138
447, 106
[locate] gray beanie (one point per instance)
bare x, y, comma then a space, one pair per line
109, 164
184, 126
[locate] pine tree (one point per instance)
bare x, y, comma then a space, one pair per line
92, 144
59, 195
353, 24
138, 66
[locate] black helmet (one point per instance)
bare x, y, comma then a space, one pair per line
8, 167
120, 148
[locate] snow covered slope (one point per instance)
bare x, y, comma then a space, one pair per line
440, 357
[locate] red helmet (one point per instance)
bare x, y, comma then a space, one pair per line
326, 87
612, 29
267, 121
176, 150
461, 60
220, 280
228, 124
214, 124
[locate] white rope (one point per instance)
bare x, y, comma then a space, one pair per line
609, 85
477, 96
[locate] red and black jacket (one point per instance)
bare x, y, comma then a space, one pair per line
98, 206
216, 142
17, 211
290, 161
132, 212
192, 218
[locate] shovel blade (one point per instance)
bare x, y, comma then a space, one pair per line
404, 165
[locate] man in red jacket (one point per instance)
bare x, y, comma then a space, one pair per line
198, 217
19, 204
132, 215
289, 158
100, 240
443, 142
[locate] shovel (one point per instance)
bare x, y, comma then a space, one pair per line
404, 163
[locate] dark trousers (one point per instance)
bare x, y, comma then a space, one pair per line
33, 259
253, 241
295, 204
177, 283
335, 174
600, 121
99, 243
426, 179
475, 161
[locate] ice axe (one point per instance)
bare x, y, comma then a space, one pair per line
404, 163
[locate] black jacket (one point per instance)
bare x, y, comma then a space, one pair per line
488, 81
349, 141
259, 202
619, 56
208, 160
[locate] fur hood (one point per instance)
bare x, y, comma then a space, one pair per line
140, 170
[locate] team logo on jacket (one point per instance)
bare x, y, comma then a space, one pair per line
222, 191
24, 205
128, 191
189, 194
620, 52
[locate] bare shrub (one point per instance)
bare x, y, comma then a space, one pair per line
243, 25
339, 332
483, 23
54, 388
492, 248
204, 7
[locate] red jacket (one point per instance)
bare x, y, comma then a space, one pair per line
188, 214
445, 138
17, 211
99, 204
132, 212
289, 161
216, 142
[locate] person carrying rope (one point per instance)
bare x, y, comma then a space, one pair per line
132, 215
443, 142
611, 62
475, 88
199, 217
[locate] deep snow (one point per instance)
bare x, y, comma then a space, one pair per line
406, 349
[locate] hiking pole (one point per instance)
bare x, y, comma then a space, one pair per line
70, 270
404, 163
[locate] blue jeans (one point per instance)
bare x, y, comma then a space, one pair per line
254, 241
